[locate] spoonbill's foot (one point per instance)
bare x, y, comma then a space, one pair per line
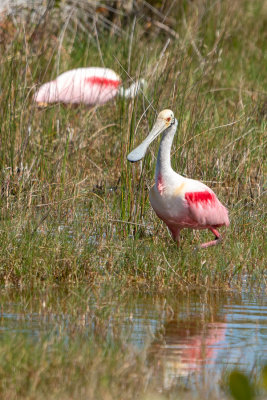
211, 243
217, 240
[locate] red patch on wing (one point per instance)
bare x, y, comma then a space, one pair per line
96, 80
160, 185
199, 197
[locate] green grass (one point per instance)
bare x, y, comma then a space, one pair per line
74, 210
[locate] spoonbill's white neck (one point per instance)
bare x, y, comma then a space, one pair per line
163, 166
133, 90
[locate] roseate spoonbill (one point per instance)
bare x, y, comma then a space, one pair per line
180, 202
90, 86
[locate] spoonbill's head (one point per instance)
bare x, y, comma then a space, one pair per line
164, 121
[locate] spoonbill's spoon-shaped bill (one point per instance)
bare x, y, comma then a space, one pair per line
165, 120
91, 86
178, 201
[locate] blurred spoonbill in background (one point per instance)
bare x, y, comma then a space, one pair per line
180, 202
91, 86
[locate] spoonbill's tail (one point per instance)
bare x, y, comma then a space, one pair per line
133, 90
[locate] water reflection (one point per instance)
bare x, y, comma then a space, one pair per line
185, 347
180, 335
200, 335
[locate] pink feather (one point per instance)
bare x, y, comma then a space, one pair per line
205, 208
90, 86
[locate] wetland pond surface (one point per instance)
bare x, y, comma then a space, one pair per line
181, 335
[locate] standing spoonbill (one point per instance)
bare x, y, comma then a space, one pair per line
180, 202
91, 86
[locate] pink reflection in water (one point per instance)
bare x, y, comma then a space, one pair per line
185, 347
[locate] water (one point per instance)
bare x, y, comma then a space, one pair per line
200, 334
181, 335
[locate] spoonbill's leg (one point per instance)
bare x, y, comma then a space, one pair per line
217, 240
175, 231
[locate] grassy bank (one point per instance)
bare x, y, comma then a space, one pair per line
73, 209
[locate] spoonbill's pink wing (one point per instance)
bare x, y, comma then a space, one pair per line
206, 209
99, 90
90, 86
